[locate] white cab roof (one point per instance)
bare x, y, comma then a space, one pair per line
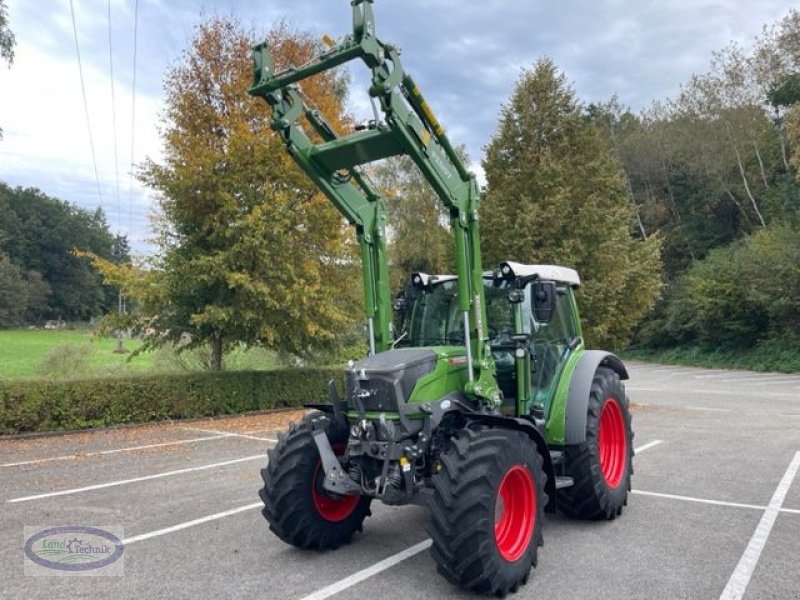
548, 272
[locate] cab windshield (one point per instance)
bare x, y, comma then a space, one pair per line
435, 318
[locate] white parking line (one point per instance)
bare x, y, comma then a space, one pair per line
777, 377
115, 451
187, 524
715, 392
699, 500
682, 371
240, 435
733, 377
707, 409
729, 375
363, 574
737, 584
647, 446
791, 511
100, 486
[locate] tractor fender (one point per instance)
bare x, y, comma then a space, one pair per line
580, 387
536, 437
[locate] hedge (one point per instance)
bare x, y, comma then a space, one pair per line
28, 406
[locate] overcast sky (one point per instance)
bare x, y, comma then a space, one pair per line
464, 54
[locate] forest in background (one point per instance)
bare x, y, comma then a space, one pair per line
707, 180
714, 172
41, 279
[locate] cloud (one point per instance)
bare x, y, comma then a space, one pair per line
466, 57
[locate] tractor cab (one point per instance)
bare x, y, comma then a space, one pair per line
428, 316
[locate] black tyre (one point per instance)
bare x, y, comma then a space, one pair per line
487, 511
298, 509
603, 464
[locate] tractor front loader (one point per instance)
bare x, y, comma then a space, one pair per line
478, 398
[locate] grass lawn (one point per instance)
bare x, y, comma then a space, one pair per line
22, 352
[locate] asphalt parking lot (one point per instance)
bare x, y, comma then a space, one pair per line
715, 511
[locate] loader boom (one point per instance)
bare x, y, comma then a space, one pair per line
407, 127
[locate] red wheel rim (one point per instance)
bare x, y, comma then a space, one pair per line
612, 442
515, 513
331, 507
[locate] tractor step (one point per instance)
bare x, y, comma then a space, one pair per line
556, 457
564, 482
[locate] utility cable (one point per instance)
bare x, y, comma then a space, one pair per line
113, 102
133, 112
85, 103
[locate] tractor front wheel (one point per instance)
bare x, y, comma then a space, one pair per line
487, 510
299, 510
603, 464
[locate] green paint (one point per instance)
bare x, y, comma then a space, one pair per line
449, 375
555, 428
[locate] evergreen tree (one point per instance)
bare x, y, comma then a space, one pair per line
13, 293
557, 194
40, 233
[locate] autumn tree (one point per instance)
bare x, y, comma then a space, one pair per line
420, 237
251, 251
557, 194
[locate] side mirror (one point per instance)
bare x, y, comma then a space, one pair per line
543, 300
400, 305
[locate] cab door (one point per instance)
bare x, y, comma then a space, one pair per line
551, 345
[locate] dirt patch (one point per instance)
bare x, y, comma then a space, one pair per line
94, 442
251, 424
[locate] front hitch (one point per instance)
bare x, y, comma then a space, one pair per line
336, 479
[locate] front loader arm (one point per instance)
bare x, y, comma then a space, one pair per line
410, 128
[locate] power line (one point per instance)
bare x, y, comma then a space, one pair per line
113, 101
133, 104
85, 103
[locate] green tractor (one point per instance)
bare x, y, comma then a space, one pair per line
478, 398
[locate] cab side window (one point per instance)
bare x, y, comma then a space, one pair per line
550, 340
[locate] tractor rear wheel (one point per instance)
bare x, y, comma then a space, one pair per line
487, 510
603, 464
299, 510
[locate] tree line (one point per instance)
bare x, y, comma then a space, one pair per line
250, 252
40, 277
714, 171
690, 205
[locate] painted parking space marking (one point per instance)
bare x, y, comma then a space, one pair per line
647, 446
709, 501
230, 433
774, 377
730, 375
364, 574
682, 407
108, 484
115, 451
740, 578
192, 523
747, 394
